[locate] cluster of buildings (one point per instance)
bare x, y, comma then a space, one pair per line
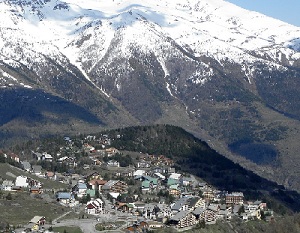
186, 210
22, 183
155, 180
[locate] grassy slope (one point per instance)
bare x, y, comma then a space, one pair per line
22, 208
67, 229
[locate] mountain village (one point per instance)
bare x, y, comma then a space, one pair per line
146, 191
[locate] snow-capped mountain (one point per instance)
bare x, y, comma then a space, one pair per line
229, 75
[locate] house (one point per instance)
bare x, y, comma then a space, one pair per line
7, 185
97, 184
36, 190
14, 157
139, 205
138, 173
36, 222
186, 181
94, 207
224, 212
195, 202
187, 203
155, 224
180, 205
143, 164
174, 190
202, 185
153, 181
138, 227
159, 170
251, 206
26, 166
21, 181
80, 189
183, 219
125, 207
65, 198
47, 157
111, 151
165, 211
37, 155
115, 186
50, 175
93, 175
88, 148
170, 170
37, 170
234, 198
113, 163
150, 211
175, 176
146, 186
124, 172
208, 194
97, 162
149, 183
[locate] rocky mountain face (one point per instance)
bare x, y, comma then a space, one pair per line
229, 76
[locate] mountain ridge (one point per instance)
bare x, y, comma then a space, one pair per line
226, 74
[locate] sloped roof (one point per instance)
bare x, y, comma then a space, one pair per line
180, 215
109, 184
81, 186
145, 184
100, 182
91, 192
193, 201
64, 195
179, 203
175, 176
198, 211
172, 182
174, 186
36, 219
26, 165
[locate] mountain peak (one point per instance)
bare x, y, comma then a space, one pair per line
208, 65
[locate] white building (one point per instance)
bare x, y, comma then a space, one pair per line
94, 207
47, 157
21, 181
7, 185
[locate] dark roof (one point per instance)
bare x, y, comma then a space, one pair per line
192, 201
180, 215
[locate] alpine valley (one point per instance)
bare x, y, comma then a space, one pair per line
229, 76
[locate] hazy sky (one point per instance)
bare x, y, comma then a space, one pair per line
285, 10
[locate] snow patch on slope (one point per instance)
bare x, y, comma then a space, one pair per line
84, 31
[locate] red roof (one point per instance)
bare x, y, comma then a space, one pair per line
90, 206
100, 182
50, 174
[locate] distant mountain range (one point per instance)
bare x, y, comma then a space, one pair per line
228, 75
